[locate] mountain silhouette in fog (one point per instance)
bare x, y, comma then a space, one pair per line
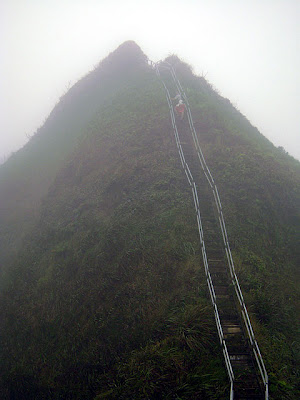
103, 292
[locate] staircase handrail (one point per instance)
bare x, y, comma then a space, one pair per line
233, 275
201, 236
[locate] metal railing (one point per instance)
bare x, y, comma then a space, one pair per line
234, 279
200, 230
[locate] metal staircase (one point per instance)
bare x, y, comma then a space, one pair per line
244, 364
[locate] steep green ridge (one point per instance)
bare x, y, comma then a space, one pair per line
25, 178
107, 297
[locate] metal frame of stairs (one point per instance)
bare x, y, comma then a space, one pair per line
232, 329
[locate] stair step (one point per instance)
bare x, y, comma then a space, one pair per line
240, 357
216, 267
234, 335
218, 271
228, 307
237, 350
236, 342
231, 329
207, 215
222, 296
230, 321
207, 218
214, 253
248, 389
248, 396
221, 289
219, 280
226, 314
215, 261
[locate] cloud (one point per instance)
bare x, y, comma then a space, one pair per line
247, 50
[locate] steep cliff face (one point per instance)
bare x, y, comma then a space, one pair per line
107, 297
25, 178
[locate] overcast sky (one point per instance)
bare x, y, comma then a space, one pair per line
248, 49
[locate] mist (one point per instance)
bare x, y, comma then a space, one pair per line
247, 51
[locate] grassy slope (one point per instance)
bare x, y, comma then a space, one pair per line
259, 187
116, 243
26, 176
110, 289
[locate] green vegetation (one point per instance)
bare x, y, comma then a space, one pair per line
26, 177
107, 297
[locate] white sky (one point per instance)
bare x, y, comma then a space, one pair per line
248, 49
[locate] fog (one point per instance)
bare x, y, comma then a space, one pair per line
248, 50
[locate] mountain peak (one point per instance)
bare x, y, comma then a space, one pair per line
129, 45
100, 253
127, 55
